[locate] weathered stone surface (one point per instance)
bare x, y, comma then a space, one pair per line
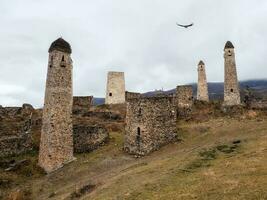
15, 130
184, 96
150, 124
56, 145
184, 100
103, 115
231, 87
87, 138
131, 95
115, 93
202, 86
82, 103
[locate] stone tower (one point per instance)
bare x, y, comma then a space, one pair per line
150, 123
115, 93
56, 145
231, 88
202, 86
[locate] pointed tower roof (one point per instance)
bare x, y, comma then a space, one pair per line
61, 45
229, 45
201, 63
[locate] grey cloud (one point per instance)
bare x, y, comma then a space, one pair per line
138, 37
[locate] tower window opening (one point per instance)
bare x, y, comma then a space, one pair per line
139, 111
50, 66
110, 94
138, 135
62, 58
232, 90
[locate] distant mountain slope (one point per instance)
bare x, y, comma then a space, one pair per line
216, 89
259, 87
98, 101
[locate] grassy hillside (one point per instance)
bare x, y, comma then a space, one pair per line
222, 158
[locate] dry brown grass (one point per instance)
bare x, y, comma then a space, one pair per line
209, 163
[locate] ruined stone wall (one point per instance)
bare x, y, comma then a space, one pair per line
202, 86
115, 93
56, 145
184, 100
87, 138
15, 130
231, 86
150, 124
82, 103
131, 95
184, 96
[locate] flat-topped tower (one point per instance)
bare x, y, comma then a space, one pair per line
56, 145
231, 87
150, 123
202, 86
115, 93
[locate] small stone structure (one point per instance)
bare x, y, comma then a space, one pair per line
115, 93
15, 130
132, 95
150, 124
82, 103
184, 96
87, 138
56, 144
231, 87
184, 100
202, 86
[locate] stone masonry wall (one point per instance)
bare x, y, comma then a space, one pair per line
184, 100
56, 145
131, 95
82, 103
202, 86
231, 87
150, 124
184, 96
15, 130
87, 138
115, 93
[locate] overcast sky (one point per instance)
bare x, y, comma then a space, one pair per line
139, 37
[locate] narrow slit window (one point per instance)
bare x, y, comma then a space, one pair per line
138, 135
63, 59
139, 111
110, 94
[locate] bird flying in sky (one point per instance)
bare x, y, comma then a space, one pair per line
185, 26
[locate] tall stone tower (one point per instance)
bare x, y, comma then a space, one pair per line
56, 145
231, 88
115, 93
202, 86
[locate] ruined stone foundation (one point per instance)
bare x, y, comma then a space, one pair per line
56, 145
150, 124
